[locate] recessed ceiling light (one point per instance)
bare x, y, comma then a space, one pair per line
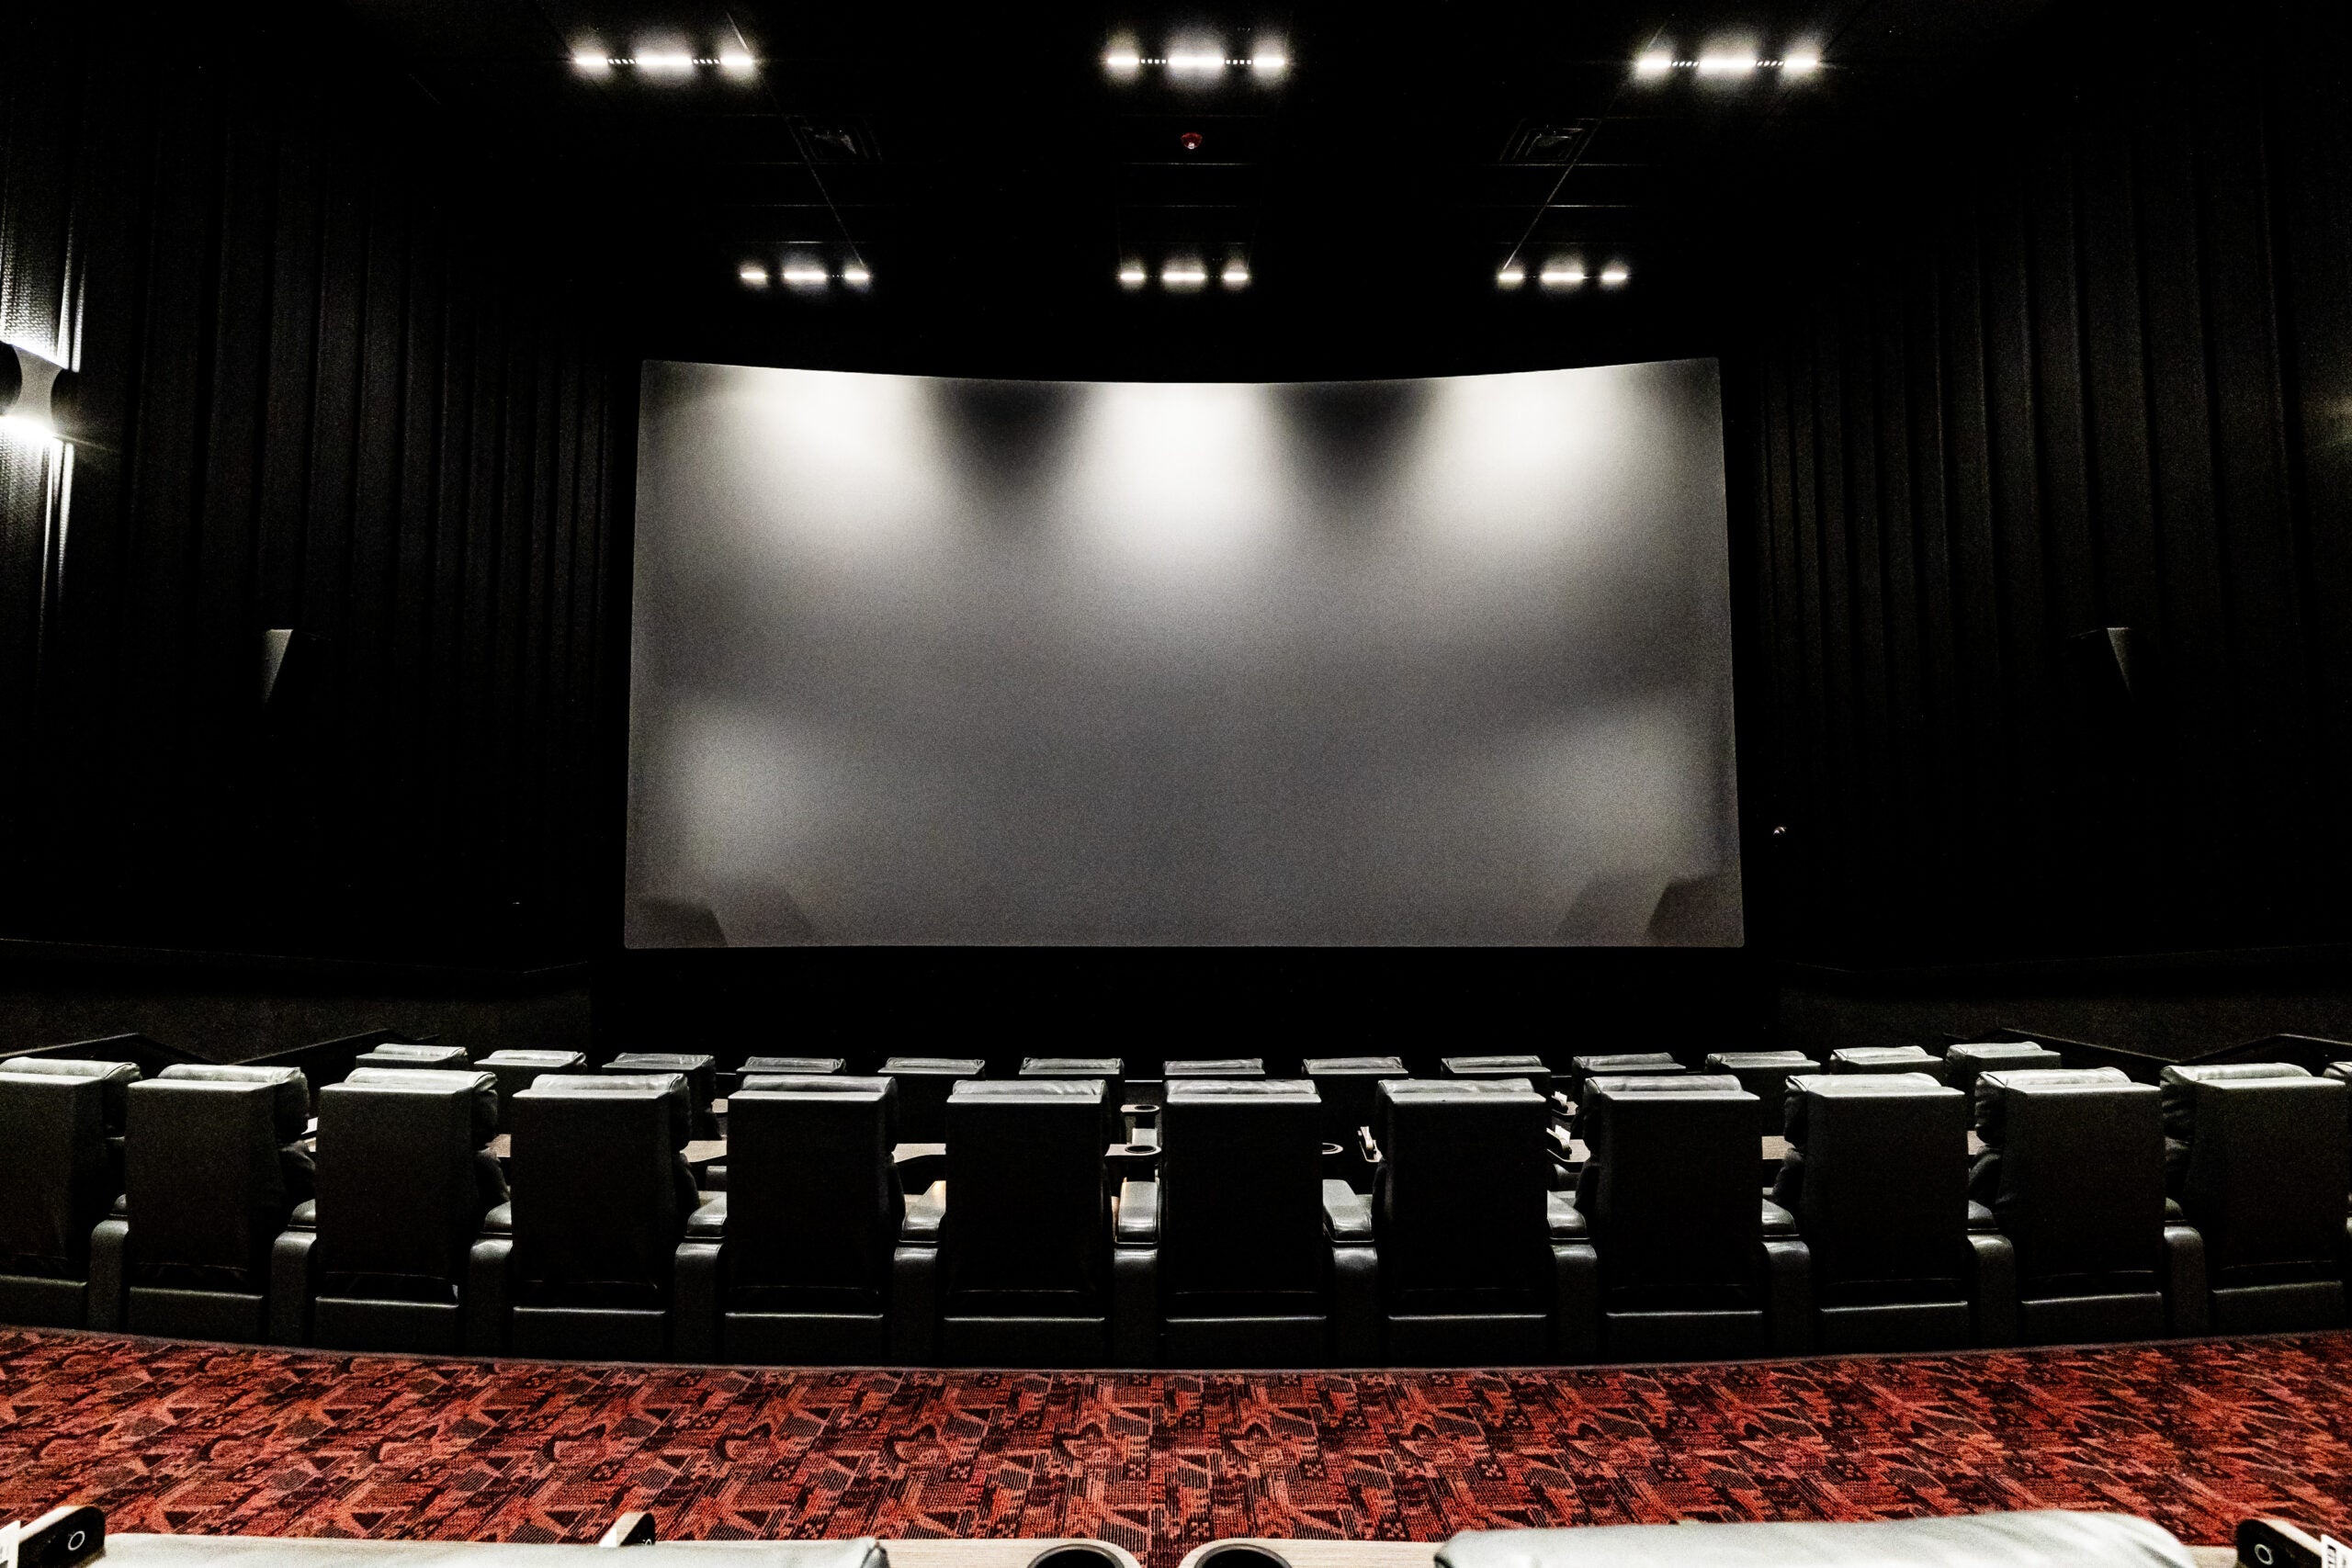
663, 61
1562, 274
736, 62
806, 277
1183, 275
855, 275
1512, 277
1269, 61
753, 275
1800, 62
1235, 276
1614, 273
1726, 65
1656, 63
1198, 61
596, 62
1131, 276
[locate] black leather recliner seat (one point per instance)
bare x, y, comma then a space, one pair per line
214, 1168
1877, 1177
1622, 1063
925, 1084
1253, 1260
377, 1261
1965, 1063
1349, 1090
794, 1264
1481, 1264
393, 1054
2256, 1153
61, 1121
1888, 1059
584, 1261
1017, 1269
1694, 1260
2074, 1171
516, 1070
699, 1070
1765, 1075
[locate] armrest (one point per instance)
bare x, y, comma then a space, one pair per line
305, 1217
1788, 1285
1366, 1146
291, 1280
697, 1271
122, 1205
926, 1211
108, 1244
1980, 1218
487, 1283
499, 1219
2186, 1307
1138, 1222
708, 1221
2173, 1214
1566, 1221
1347, 1214
1992, 1286
1778, 1222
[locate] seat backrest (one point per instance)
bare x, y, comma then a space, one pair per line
1028, 1207
1765, 1075
1459, 1203
1242, 1187
1620, 1064
812, 1198
601, 1193
204, 1167
401, 1190
518, 1070
2264, 1179
700, 1072
1648, 1083
1965, 1063
1888, 1059
1530, 1067
1877, 1176
1670, 1185
2074, 1168
115, 1079
2179, 1085
289, 1089
925, 1085
54, 1179
391, 1055
1350, 1088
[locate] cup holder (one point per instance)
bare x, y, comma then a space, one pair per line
1080, 1554
1238, 1554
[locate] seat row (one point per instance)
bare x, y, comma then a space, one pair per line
2097, 1209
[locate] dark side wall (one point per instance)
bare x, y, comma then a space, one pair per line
340, 379
2094, 371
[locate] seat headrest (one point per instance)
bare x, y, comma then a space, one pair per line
1215, 1067
945, 1066
1493, 1066
1806, 1088
664, 1061
291, 1106
2180, 1084
1073, 1067
1344, 1066
671, 1087
1762, 1059
1993, 1089
1456, 1092
117, 1076
1622, 1061
800, 1066
521, 1059
392, 1053
481, 1088
1661, 1083
1216, 1091
811, 1086
1880, 1056
1027, 1091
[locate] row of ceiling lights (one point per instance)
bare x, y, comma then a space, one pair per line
1183, 275
675, 64
1731, 62
804, 274
1196, 58
1563, 275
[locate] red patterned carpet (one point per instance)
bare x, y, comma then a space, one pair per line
209, 1438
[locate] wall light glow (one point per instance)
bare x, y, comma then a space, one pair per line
1512, 277
806, 277
1800, 62
753, 275
1563, 275
1235, 275
856, 275
650, 60
1123, 62
1183, 275
736, 62
1614, 275
1131, 276
1726, 65
1196, 61
1270, 61
593, 62
1656, 63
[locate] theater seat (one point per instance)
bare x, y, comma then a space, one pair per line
583, 1261
1016, 1269
2074, 1171
1531, 1068
61, 1122
213, 1171
1693, 1261
1624, 1064
1888, 1059
379, 1261
1110, 1070
393, 1054
1877, 1177
793, 1263
515, 1071
1962, 1063
1229, 1258
2256, 1153
1765, 1075
925, 1085
1480, 1263
1580, 1124
700, 1071
1349, 1090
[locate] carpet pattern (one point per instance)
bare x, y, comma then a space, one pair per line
172, 1437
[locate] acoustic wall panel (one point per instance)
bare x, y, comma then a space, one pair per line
938, 661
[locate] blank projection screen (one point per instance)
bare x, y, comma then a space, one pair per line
937, 660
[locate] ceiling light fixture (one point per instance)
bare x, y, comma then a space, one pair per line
806, 277
1270, 61
735, 62
1800, 62
1235, 276
1132, 275
1183, 275
753, 275
855, 275
1562, 274
595, 62
1726, 65
1196, 61
663, 61
1656, 63
1614, 273
1122, 62
1512, 277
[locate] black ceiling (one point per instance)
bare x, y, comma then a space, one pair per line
994, 176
